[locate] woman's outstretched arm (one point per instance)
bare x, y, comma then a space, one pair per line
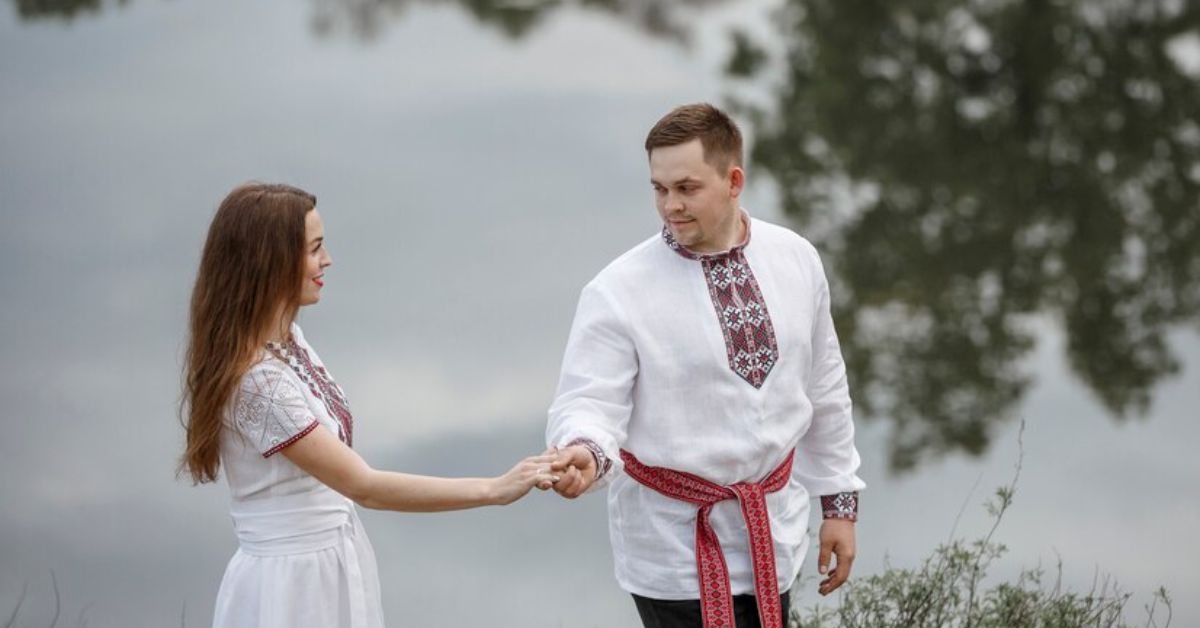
328, 459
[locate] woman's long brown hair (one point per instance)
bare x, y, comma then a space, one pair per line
252, 268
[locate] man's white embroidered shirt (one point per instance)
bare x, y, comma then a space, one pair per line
648, 369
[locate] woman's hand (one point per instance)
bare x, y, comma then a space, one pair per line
530, 472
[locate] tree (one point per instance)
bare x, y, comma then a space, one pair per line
999, 158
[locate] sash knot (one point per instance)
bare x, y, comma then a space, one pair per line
716, 597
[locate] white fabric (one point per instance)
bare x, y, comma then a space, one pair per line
303, 559
646, 370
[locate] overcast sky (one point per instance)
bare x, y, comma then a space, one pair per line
470, 185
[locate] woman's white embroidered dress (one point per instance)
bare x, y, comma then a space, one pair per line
303, 559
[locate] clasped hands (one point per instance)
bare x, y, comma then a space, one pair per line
569, 471
574, 470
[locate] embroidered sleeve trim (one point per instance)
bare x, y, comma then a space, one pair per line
840, 506
295, 437
603, 464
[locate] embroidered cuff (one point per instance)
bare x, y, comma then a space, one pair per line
603, 464
840, 506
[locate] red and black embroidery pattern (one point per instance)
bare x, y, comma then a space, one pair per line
716, 598
840, 506
319, 383
741, 310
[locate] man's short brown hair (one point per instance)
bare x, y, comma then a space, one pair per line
719, 135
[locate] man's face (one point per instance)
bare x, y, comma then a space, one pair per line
698, 203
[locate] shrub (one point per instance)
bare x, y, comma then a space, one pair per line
946, 592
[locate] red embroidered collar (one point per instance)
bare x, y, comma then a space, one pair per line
693, 255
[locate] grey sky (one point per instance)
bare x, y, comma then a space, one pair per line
470, 186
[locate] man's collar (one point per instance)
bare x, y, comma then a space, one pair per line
693, 255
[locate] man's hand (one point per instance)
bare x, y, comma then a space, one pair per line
576, 470
837, 538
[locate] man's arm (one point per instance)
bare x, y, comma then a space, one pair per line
587, 421
828, 461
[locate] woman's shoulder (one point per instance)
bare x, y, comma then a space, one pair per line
273, 363
268, 374
272, 408
265, 363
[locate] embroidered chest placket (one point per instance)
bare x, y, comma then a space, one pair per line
750, 342
319, 383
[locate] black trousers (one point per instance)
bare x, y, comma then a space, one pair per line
686, 613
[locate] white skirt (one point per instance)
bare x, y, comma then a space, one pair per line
302, 562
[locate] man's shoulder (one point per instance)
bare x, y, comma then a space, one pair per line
779, 236
633, 263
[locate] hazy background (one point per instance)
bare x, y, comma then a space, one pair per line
1010, 224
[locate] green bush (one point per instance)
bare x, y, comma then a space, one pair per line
946, 592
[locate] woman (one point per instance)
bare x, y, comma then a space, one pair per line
260, 402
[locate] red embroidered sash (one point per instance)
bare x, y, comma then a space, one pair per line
716, 598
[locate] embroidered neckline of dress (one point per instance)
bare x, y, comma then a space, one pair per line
320, 383
693, 255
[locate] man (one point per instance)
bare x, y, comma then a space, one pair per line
703, 382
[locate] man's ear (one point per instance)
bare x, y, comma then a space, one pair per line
737, 181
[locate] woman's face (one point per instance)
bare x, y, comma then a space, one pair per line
316, 259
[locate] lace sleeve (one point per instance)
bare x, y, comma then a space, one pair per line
271, 410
